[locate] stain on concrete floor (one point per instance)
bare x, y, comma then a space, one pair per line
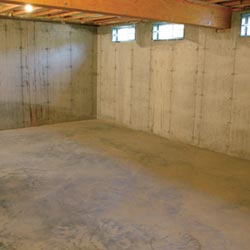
92, 186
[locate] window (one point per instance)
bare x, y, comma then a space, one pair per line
123, 34
245, 25
167, 31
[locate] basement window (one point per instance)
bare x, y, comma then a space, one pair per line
168, 31
245, 25
123, 34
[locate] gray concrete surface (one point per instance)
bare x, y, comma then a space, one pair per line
92, 186
47, 73
194, 90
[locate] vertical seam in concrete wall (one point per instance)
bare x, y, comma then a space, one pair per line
35, 72
131, 83
28, 82
171, 91
202, 89
231, 98
47, 76
5, 59
94, 78
71, 73
22, 73
150, 109
195, 89
115, 117
100, 66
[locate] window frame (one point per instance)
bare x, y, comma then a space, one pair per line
247, 25
158, 24
122, 27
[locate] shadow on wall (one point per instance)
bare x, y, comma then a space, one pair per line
20, 115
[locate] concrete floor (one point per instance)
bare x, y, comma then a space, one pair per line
89, 185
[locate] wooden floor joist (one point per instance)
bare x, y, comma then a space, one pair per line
8, 8
177, 11
45, 13
65, 14
77, 17
23, 12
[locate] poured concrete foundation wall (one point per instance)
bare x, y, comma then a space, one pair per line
195, 90
47, 73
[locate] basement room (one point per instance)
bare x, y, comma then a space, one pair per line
125, 125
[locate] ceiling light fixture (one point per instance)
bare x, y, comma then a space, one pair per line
28, 8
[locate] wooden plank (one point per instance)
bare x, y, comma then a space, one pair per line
172, 10
94, 18
65, 14
116, 20
24, 12
237, 3
76, 17
237, 9
8, 8
217, 1
45, 13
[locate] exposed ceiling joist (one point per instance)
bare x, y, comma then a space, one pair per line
238, 3
177, 11
65, 14
116, 20
76, 17
45, 13
8, 8
23, 12
217, 1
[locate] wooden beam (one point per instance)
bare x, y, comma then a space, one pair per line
8, 8
237, 3
94, 18
116, 20
65, 14
176, 11
217, 1
45, 13
24, 12
75, 17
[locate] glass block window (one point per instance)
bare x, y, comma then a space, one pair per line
168, 31
123, 34
245, 25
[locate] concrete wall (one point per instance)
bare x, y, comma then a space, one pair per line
196, 90
47, 73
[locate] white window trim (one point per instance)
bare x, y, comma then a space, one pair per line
169, 39
116, 28
246, 26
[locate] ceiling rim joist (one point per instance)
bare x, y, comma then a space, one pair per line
178, 11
